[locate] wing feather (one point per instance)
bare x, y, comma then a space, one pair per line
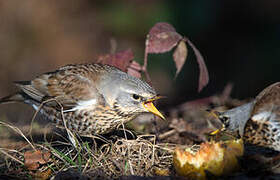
70, 86
268, 100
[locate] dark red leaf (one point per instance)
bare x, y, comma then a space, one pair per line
124, 61
134, 69
180, 56
203, 72
135, 65
161, 27
120, 60
162, 38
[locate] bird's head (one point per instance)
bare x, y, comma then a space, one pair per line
224, 118
235, 119
129, 95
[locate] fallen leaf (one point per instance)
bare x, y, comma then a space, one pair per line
162, 38
43, 175
162, 172
203, 72
33, 159
180, 56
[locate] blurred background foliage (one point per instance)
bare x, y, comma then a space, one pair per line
238, 39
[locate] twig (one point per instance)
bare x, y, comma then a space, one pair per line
124, 131
130, 167
19, 132
114, 45
167, 134
144, 67
10, 156
35, 114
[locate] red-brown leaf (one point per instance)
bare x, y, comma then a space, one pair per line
180, 55
162, 38
203, 72
120, 60
134, 69
43, 175
33, 159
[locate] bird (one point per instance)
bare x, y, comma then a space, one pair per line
91, 98
257, 122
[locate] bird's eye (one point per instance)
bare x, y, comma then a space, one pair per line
136, 97
224, 119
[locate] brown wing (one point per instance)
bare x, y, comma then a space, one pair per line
68, 85
263, 128
268, 99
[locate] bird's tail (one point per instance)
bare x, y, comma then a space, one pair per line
16, 97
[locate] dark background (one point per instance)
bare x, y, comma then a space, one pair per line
238, 39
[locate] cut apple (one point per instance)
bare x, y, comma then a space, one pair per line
218, 158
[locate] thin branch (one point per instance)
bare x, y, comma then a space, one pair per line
10, 156
144, 67
19, 132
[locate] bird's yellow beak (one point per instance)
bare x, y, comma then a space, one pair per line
151, 108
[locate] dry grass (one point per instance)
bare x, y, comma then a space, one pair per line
97, 157
110, 159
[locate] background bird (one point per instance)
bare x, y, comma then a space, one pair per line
258, 122
94, 98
